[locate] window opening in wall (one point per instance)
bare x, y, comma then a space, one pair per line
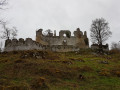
64, 42
64, 35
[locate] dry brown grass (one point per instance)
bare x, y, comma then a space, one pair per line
116, 71
104, 72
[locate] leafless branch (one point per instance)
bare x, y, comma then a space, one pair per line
14, 32
47, 32
115, 46
6, 31
3, 3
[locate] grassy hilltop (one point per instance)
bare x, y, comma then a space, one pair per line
38, 70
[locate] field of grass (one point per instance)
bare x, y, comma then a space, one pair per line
38, 70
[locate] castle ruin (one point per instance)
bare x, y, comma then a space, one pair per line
65, 42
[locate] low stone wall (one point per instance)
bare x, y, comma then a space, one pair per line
29, 44
104, 47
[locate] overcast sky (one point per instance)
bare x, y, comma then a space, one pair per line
30, 15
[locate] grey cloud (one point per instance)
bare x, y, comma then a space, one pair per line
29, 15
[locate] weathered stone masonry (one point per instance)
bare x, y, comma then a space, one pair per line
51, 42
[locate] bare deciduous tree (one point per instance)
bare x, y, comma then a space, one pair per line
100, 31
47, 32
6, 31
14, 32
115, 46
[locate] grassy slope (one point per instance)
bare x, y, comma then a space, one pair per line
58, 71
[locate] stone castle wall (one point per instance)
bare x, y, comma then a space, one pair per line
29, 44
59, 43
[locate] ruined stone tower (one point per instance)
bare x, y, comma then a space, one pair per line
79, 39
39, 35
